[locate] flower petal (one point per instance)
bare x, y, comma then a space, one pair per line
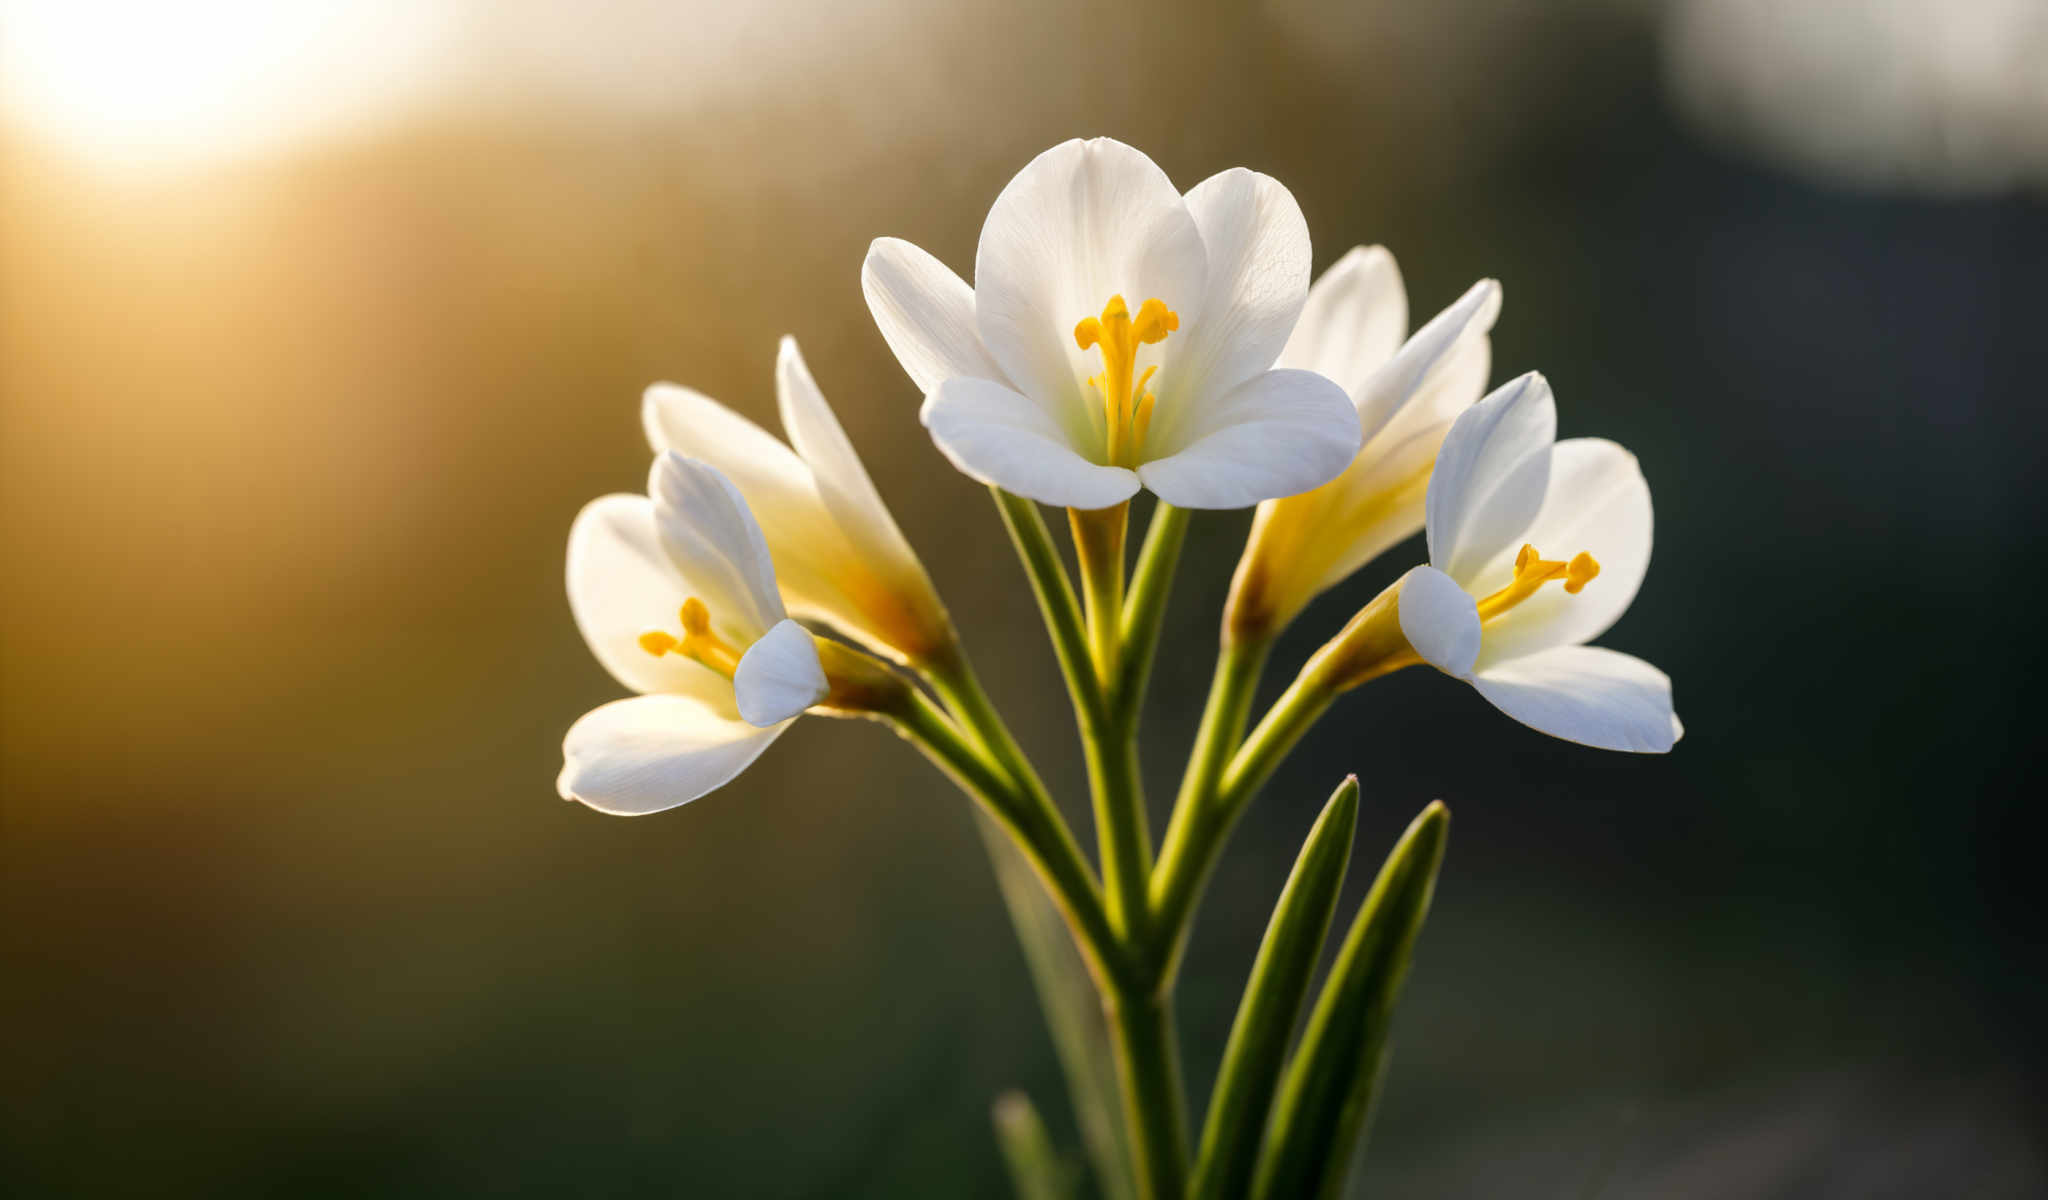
1257, 246
1082, 222
1490, 476
1275, 434
1440, 619
649, 753
842, 482
925, 313
1355, 318
779, 676
623, 584
716, 546
1597, 502
1001, 438
1395, 384
1586, 694
774, 480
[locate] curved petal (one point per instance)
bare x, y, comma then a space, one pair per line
639, 756
1276, 434
779, 676
716, 546
842, 482
1490, 476
1080, 223
1381, 505
1440, 619
925, 313
774, 480
999, 437
1256, 242
622, 584
1409, 372
1451, 387
1598, 502
1588, 695
1354, 320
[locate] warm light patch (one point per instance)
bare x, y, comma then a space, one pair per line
698, 641
1126, 402
1532, 571
143, 82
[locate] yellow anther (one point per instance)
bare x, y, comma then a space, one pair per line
1126, 404
698, 641
1532, 571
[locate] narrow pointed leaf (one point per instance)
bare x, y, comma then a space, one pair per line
1330, 1083
1037, 1171
1272, 1001
1073, 1012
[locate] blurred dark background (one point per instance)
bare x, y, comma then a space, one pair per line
303, 383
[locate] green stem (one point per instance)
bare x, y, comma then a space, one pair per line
1099, 535
1141, 1026
1055, 593
1110, 744
1039, 832
1145, 608
1194, 836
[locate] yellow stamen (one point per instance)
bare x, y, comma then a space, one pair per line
1532, 571
698, 641
1126, 403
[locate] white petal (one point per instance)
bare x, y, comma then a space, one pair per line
623, 584
842, 482
1275, 434
716, 546
779, 676
1256, 241
1490, 476
1439, 619
774, 480
1001, 438
925, 313
1395, 384
1082, 222
1598, 502
1587, 695
1355, 318
1375, 506
639, 756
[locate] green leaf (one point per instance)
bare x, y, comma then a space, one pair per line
1331, 1082
1036, 1170
1073, 1012
1272, 1001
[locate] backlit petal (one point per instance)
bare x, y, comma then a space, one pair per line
1276, 434
925, 313
1257, 246
649, 753
999, 437
1440, 620
1355, 318
1401, 379
716, 546
1586, 694
779, 676
1490, 476
622, 584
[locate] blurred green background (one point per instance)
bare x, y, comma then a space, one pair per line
318, 323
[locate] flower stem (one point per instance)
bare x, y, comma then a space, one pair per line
1037, 828
1099, 535
1145, 608
1109, 743
1141, 1026
1194, 836
1055, 593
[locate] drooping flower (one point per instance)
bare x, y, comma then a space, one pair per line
838, 553
1406, 394
1119, 335
1535, 549
675, 594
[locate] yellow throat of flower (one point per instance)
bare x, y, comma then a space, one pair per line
1126, 403
697, 642
1532, 571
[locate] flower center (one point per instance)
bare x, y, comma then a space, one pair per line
1532, 571
1126, 403
697, 642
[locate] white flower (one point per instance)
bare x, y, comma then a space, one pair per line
1119, 335
1406, 395
675, 594
1536, 548
840, 557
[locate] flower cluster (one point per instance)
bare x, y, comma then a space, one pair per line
1119, 335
